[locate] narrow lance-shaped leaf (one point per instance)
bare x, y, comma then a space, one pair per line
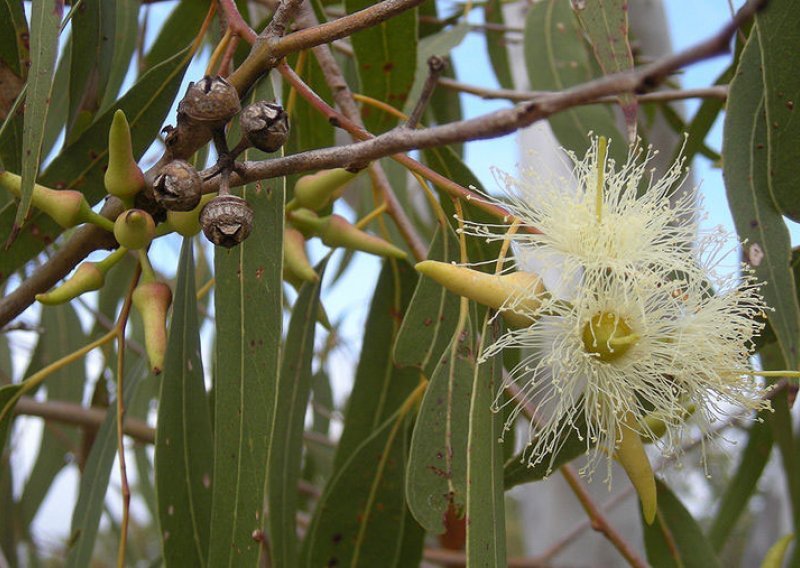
247, 297
45, 30
14, 56
184, 450
286, 449
485, 511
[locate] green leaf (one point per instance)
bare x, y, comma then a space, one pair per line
361, 520
180, 28
386, 59
778, 28
286, 449
703, 120
14, 57
745, 166
436, 478
606, 25
380, 387
62, 335
93, 43
126, 33
95, 478
81, 165
743, 484
485, 515
248, 298
184, 451
674, 538
8, 520
556, 59
45, 30
496, 44
9, 394
777, 552
59, 102
432, 314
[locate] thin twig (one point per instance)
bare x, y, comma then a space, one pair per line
436, 66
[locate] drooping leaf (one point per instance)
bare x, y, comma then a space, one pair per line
556, 59
126, 31
62, 335
437, 463
14, 59
95, 478
745, 171
386, 58
675, 539
184, 450
485, 512
248, 298
606, 25
80, 166
496, 44
286, 448
778, 36
432, 315
45, 31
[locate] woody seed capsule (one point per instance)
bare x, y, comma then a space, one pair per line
212, 101
265, 125
227, 220
178, 187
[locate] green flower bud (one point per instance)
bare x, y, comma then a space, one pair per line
295, 260
123, 177
317, 190
632, 457
87, 277
134, 229
518, 294
187, 223
152, 300
67, 207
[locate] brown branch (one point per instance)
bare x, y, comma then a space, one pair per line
453, 558
714, 92
236, 22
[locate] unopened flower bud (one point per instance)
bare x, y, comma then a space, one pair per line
227, 220
631, 455
152, 300
212, 101
265, 125
295, 260
87, 277
123, 178
178, 186
66, 207
134, 229
315, 191
187, 223
518, 294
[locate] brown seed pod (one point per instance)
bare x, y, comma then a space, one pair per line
227, 220
265, 125
211, 101
178, 186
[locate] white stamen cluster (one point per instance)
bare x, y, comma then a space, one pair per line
648, 329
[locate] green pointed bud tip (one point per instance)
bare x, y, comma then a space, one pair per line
123, 177
315, 191
87, 278
296, 262
152, 300
134, 229
631, 455
518, 294
339, 232
66, 207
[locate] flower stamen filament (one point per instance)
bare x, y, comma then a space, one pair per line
602, 147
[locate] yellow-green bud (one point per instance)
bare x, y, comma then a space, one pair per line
134, 229
87, 277
152, 300
187, 223
632, 457
67, 207
518, 294
123, 177
338, 232
317, 190
295, 259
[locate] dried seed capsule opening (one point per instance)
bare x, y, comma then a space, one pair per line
178, 187
265, 125
227, 220
211, 101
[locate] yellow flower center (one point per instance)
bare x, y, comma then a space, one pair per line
608, 336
